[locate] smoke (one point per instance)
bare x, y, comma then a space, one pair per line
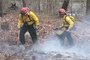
53, 44
80, 36
81, 42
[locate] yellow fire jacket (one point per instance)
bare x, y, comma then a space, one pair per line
68, 22
31, 18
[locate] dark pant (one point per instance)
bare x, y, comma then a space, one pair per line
31, 30
68, 36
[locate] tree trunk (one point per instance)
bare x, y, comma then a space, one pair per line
65, 4
24, 3
88, 6
1, 11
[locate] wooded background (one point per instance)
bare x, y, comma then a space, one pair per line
76, 7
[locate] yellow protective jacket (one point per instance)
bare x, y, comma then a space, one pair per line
31, 18
68, 22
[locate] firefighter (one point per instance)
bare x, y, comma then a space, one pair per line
27, 21
68, 21
67, 24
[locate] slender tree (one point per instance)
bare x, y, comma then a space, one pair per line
24, 3
88, 6
65, 4
1, 10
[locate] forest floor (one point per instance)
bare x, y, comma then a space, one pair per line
48, 47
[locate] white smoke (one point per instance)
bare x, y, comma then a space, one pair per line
82, 42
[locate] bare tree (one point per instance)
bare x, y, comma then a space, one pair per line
88, 6
1, 11
65, 4
24, 3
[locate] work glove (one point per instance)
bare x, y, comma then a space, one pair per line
18, 27
36, 27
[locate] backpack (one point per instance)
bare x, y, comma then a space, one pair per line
71, 17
